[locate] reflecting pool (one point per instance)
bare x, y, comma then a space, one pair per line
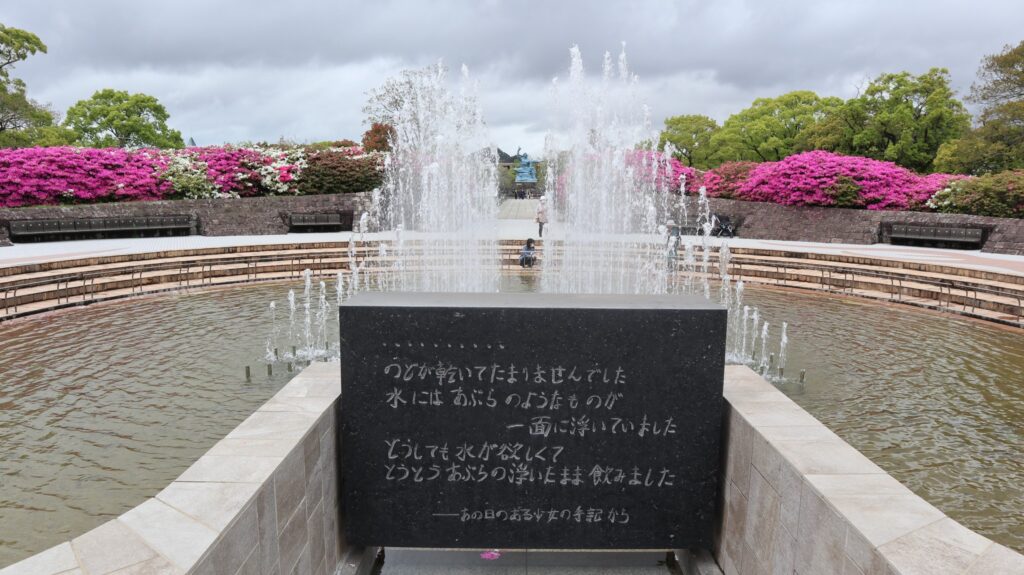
101, 407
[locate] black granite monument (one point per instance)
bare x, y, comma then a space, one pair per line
530, 420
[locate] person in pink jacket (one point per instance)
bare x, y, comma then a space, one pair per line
542, 215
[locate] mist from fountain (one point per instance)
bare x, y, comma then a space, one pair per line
608, 196
439, 197
616, 205
613, 202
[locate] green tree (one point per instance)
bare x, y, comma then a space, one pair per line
768, 130
114, 118
1000, 78
836, 131
997, 143
16, 45
23, 122
976, 154
17, 112
691, 136
905, 119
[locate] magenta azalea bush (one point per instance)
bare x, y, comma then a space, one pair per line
665, 172
825, 179
39, 176
67, 175
725, 180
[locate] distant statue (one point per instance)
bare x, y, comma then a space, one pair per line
526, 173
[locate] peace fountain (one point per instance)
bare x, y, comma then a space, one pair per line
792, 495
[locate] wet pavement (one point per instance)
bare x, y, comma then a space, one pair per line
438, 562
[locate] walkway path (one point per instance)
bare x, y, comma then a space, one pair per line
517, 210
512, 229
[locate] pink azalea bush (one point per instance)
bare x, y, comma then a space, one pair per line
665, 172
825, 179
725, 180
39, 176
49, 176
231, 169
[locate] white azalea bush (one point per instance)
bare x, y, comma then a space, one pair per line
187, 175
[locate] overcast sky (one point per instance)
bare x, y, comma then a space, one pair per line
234, 70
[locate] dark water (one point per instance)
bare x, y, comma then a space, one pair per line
102, 407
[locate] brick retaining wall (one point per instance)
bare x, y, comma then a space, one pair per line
758, 220
226, 217
766, 221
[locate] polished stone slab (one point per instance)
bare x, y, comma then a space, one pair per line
530, 420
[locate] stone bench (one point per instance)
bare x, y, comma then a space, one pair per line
938, 234
321, 222
79, 228
722, 226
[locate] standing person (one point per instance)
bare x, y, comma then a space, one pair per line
542, 215
672, 245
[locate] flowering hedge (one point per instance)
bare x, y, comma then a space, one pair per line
998, 195
341, 171
825, 179
657, 169
47, 176
35, 176
725, 180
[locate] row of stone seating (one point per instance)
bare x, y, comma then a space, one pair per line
32, 230
321, 222
77, 228
937, 235
999, 304
38, 287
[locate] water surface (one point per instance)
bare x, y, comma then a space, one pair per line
103, 406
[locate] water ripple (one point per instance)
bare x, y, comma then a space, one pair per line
102, 407
936, 401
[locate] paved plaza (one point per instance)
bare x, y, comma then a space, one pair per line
508, 229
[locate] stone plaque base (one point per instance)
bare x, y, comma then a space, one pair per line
530, 420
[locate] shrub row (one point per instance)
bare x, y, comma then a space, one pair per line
825, 179
48, 176
999, 195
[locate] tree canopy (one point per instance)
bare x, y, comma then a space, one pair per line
387, 100
23, 121
1000, 78
899, 117
768, 130
997, 143
906, 118
691, 138
16, 45
114, 118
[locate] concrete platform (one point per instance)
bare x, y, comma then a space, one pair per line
512, 209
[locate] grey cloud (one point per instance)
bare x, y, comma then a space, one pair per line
241, 69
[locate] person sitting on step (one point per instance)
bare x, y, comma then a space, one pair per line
528, 255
